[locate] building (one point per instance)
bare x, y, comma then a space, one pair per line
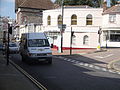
91, 26
1, 32
4, 21
29, 15
111, 27
84, 21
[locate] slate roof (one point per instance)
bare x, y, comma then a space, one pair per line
36, 4
113, 10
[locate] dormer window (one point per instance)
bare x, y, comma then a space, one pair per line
112, 18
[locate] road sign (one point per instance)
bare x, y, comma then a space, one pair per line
60, 26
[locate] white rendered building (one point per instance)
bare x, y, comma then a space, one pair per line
84, 21
111, 27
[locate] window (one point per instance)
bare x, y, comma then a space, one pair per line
38, 43
59, 19
115, 36
73, 20
85, 40
89, 19
112, 18
49, 20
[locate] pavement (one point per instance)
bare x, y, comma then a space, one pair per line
12, 79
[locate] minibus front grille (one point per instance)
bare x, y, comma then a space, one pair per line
41, 54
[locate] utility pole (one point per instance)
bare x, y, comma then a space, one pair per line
71, 41
8, 45
62, 27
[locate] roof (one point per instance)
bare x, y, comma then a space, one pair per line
113, 10
72, 6
36, 4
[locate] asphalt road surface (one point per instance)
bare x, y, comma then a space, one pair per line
69, 74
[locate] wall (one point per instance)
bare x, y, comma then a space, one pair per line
80, 29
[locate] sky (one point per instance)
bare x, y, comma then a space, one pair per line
7, 8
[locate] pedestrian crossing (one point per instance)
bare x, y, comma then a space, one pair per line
79, 63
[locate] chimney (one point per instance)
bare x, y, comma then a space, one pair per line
104, 5
118, 2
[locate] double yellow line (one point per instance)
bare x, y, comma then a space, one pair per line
39, 85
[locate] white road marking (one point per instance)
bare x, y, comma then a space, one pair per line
72, 60
98, 57
81, 63
104, 56
65, 58
96, 67
69, 60
86, 64
91, 66
118, 73
109, 55
104, 69
78, 63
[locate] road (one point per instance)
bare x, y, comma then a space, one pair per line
70, 74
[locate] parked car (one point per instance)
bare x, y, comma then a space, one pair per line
13, 47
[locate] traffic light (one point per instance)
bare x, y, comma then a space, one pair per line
10, 30
72, 33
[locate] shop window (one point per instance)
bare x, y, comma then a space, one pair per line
115, 36
74, 20
89, 19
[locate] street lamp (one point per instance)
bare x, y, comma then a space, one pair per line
8, 40
62, 28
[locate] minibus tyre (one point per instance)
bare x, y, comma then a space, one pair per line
50, 61
23, 58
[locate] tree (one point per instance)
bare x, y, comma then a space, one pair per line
113, 2
92, 3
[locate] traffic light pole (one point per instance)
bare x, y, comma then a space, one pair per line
8, 45
71, 42
62, 29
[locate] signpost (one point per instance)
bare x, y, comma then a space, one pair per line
62, 28
99, 41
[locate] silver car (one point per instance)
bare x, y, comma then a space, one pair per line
13, 48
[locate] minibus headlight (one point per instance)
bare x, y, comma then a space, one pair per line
49, 54
32, 54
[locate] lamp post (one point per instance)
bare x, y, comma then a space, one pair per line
62, 28
71, 41
8, 45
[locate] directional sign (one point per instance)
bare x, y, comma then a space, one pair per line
60, 26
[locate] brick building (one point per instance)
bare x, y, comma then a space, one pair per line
29, 12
